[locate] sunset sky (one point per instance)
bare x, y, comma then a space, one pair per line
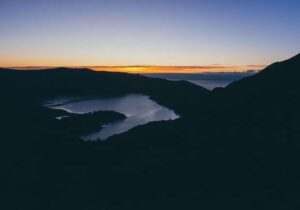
182, 36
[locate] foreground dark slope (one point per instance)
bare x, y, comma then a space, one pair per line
238, 149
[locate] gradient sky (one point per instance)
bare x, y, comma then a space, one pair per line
225, 34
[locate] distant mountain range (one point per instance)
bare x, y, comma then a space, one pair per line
207, 80
232, 148
227, 76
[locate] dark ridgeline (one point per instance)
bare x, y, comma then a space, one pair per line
42, 85
235, 147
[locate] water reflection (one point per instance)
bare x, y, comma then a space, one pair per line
138, 109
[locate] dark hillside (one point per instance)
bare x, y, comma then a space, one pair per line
234, 148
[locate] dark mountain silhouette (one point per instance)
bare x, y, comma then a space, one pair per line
275, 87
235, 147
42, 85
280, 75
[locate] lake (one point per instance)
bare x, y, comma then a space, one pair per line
138, 109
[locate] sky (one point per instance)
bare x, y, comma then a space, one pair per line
149, 35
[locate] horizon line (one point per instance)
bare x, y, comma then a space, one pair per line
155, 69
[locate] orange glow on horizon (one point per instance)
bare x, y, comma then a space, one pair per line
26, 64
157, 69
166, 69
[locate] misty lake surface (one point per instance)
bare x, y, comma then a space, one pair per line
138, 109
210, 84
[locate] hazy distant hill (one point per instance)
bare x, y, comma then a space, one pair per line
207, 80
